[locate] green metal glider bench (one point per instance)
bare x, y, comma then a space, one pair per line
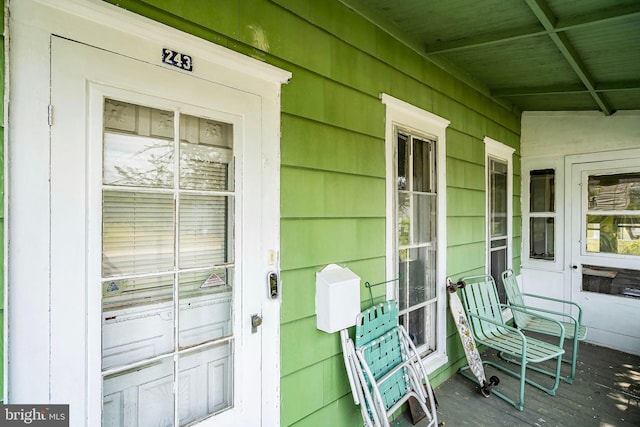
387, 370
484, 312
525, 321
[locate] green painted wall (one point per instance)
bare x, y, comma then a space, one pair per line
333, 167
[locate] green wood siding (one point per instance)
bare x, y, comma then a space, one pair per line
333, 166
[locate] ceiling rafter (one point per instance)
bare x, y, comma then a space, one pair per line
546, 17
566, 24
566, 89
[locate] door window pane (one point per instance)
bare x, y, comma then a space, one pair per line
618, 192
139, 397
206, 382
138, 146
205, 306
137, 232
614, 234
611, 281
205, 154
204, 235
613, 214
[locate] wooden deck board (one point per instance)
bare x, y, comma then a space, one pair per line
606, 392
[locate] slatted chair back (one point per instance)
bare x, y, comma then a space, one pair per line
514, 297
379, 337
480, 297
375, 322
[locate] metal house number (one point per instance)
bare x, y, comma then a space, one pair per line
177, 59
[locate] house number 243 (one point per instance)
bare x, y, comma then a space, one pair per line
177, 59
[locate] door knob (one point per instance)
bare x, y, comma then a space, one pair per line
256, 321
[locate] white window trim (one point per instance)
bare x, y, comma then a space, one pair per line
410, 117
500, 151
557, 165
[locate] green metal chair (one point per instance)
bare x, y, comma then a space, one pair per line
387, 369
524, 320
484, 313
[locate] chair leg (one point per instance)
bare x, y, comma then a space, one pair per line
571, 362
574, 360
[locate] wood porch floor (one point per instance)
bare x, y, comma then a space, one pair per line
606, 392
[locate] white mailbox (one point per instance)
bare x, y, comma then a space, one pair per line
337, 298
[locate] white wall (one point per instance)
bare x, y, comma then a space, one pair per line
563, 133
557, 140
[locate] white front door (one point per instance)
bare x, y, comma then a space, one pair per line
605, 250
158, 268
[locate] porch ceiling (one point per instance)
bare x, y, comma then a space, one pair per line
533, 54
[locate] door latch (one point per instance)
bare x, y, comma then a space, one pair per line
256, 321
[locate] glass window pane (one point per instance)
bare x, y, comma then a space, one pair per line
611, 281
422, 170
139, 397
206, 157
206, 382
403, 278
498, 243
205, 234
403, 162
137, 233
424, 214
134, 327
205, 306
417, 276
136, 290
137, 161
498, 265
498, 197
542, 235
616, 234
138, 145
421, 327
614, 192
404, 218
542, 191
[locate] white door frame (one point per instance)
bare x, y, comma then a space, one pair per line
28, 268
611, 309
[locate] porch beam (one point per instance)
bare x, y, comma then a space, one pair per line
566, 89
565, 24
548, 21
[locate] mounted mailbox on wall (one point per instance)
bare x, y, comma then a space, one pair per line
337, 298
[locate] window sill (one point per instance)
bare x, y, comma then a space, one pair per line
434, 361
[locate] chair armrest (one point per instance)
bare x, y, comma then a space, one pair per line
501, 324
544, 310
563, 301
527, 310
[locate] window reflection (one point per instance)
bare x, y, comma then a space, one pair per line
613, 215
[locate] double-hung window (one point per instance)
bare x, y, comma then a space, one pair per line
499, 171
416, 212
